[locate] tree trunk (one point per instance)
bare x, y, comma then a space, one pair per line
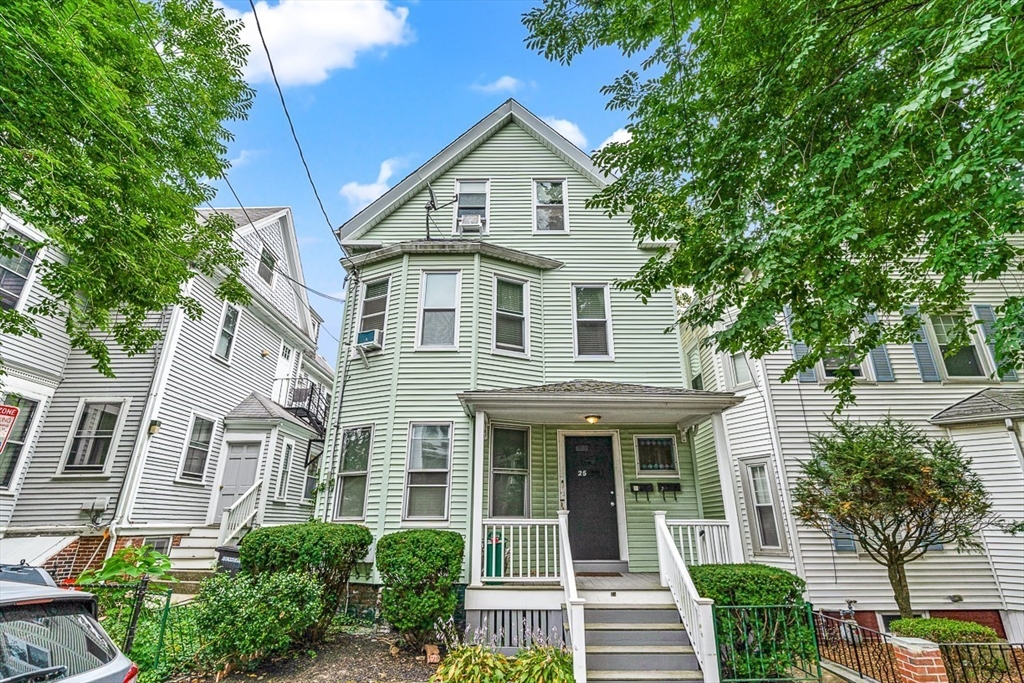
900, 588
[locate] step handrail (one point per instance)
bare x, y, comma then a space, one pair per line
240, 514
574, 604
696, 612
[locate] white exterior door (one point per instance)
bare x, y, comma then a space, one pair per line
239, 472
284, 374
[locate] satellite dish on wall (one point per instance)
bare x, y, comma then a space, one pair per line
432, 205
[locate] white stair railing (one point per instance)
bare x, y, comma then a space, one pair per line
701, 541
240, 514
573, 603
696, 612
521, 551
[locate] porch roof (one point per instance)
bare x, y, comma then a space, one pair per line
615, 402
988, 405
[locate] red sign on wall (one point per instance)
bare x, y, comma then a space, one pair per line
8, 416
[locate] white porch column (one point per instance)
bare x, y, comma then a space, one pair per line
728, 481
477, 483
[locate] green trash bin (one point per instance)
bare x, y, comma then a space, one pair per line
494, 556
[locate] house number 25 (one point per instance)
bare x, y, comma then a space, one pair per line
581, 473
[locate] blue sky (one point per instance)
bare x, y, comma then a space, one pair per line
377, 88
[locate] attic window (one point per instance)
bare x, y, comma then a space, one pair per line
471, 216
266, 268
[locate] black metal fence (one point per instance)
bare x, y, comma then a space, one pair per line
764, 643
983, 662
857, 648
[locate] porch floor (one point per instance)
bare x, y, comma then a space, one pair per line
624, 581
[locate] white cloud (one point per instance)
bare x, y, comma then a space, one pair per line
621, 135
504, 84
360, 195
308, 40
244, 157
569, 130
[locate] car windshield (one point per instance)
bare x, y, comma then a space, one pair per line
58, 638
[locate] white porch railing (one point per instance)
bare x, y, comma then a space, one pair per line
573, 603
521, 551
240, 514
701, 541
695, 611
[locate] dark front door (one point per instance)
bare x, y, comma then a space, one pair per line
590, 497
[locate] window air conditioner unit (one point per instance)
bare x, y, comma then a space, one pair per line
369, 340
472, 222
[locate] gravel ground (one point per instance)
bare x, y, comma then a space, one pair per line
352, 659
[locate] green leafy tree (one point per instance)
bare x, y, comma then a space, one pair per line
832, 158
111, 123
896, 491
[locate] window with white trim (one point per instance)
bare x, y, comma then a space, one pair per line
510, 315
510, 471
739, 368
549, 206
284, 476
227, 332
93, 439
375, 307
471, 210
197, 451
439, 310
266, 267
592, 321
161, 544
356, 445
966, 362
15, 267
696, 369
831, 365
427, 474
11, 453
764, 512
655, 455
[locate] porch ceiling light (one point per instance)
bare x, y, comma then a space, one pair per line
593, 419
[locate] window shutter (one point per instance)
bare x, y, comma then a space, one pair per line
843, 540
799, 350
926, 364
880, 358
987, 317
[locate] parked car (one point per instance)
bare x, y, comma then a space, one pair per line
51, 634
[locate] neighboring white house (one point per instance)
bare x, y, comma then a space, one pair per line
957, 397
212, 431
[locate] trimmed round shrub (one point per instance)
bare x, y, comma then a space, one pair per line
944, 630
246, 618
327, 551
748, 584
418, 569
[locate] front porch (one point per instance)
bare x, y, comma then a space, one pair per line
590, 496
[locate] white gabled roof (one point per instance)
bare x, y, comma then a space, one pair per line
509, 112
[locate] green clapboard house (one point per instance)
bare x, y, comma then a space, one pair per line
494, 381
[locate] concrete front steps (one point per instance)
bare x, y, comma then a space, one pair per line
638, 643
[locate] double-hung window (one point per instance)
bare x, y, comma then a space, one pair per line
471, 213
764, 510
284, 477
226, 335
549, 206
14, 268
11, 453
375, 307
696, 369
356, 445
739, 368
266, 267
510, 471
311, 471
93, 439
197, 451
966, 362
439, 310
592, 321
510, 333
427, 476
832, 365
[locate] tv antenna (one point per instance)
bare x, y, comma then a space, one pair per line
432, 205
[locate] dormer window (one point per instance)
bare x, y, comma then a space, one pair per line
549, 206
471, 213
266, 267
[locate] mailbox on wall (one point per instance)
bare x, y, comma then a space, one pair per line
638, 487
672, 487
